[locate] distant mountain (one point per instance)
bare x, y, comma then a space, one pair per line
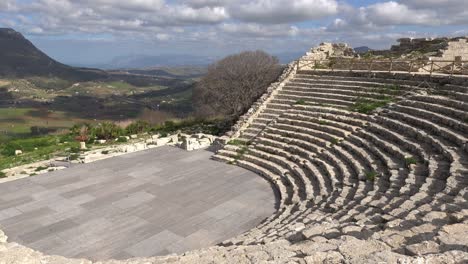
171, 72
20, 58
362, 49
146, 61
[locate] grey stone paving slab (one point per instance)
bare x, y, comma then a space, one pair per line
147, 203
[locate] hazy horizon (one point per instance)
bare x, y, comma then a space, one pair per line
96, 32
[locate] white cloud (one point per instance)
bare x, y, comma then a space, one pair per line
393, 13
7, 5
260, 31
162, 36
283, 11
206, 3
272, 24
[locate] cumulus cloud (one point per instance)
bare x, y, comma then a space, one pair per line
7, 5
393, 13
206, 3
257, 23
261, 31
283, 11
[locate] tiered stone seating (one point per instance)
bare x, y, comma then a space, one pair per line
398, 175
390, 186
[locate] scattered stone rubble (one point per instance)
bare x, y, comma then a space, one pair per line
346, 249
329, 50
428, 48
137, 143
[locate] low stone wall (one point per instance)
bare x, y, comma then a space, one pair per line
246, 119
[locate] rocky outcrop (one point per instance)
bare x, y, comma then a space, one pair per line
327, 50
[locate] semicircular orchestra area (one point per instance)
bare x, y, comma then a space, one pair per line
144, 204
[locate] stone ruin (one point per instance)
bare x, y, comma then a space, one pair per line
386, 185
428, 48
329, 50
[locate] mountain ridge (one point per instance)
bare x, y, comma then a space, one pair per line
19, 57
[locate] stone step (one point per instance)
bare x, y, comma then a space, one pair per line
309, 149
431, 127
362, 82
294, 164
434, 104
399, 140
312, 97
285, 131
337, 78
443, 101
433, 116
322, 101
308, 123
340, 122
347, 88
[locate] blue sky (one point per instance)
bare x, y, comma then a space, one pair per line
95, 31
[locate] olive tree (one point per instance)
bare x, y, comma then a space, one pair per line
232, 84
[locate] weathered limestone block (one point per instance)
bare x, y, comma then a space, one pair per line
454, 237
3, 237
190, 144
330, 257
162, 141
423, 248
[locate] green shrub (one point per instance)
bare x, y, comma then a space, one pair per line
300, 102
163, 134
410, 160
122, 139
371, 175
323, 122
41, 168
26, 145
335, 141
138, 127
105, 152
236, 142
74, 156
75, 150
66, 138
107, 130
2, 175
367, 106
240, 152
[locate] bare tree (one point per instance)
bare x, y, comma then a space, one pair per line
232, 84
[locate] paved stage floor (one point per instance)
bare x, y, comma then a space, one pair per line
148, 203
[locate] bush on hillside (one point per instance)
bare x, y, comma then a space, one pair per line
107, 130
234, 83
138, 127
26, 145
194, 125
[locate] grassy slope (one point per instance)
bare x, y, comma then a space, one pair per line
69, 103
